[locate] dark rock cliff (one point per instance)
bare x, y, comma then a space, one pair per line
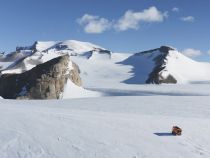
45, 81
155, 76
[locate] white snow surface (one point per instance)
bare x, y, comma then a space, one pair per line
73, 91
186, 70
70, 45
123, 119
106, 127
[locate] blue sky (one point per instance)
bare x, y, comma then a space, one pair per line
119, 25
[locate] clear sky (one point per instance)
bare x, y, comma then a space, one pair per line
119, 25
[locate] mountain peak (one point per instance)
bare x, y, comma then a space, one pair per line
162, 49
68, 45
165, 49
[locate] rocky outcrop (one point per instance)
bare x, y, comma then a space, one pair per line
150, 67
160, 62
45, 81
74, 75
156, 78
105, 54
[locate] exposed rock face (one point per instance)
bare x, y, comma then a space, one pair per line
156, 78
74, 75
45, 81
165, 49
150, 66
101, 52
160, 62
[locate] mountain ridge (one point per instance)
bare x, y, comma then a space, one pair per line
170, 66
98, 66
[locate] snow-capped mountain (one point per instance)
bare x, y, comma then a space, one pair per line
25, 58
161, 65
43, 70
166, 65
67, 46
97, 67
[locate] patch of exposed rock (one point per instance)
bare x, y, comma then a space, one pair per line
102, 52
45, 81
160, 62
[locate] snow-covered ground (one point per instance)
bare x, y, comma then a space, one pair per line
108, 127
119, 119
103, 72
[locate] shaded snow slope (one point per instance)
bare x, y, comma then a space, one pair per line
153, 90
105, 127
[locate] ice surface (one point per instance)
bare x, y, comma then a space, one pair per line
105, 127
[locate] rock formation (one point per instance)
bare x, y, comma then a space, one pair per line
45, 81
160, 62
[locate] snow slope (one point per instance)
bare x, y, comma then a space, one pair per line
107, 127
73, 91
103, 72
162, 63
186, 70
69, 45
